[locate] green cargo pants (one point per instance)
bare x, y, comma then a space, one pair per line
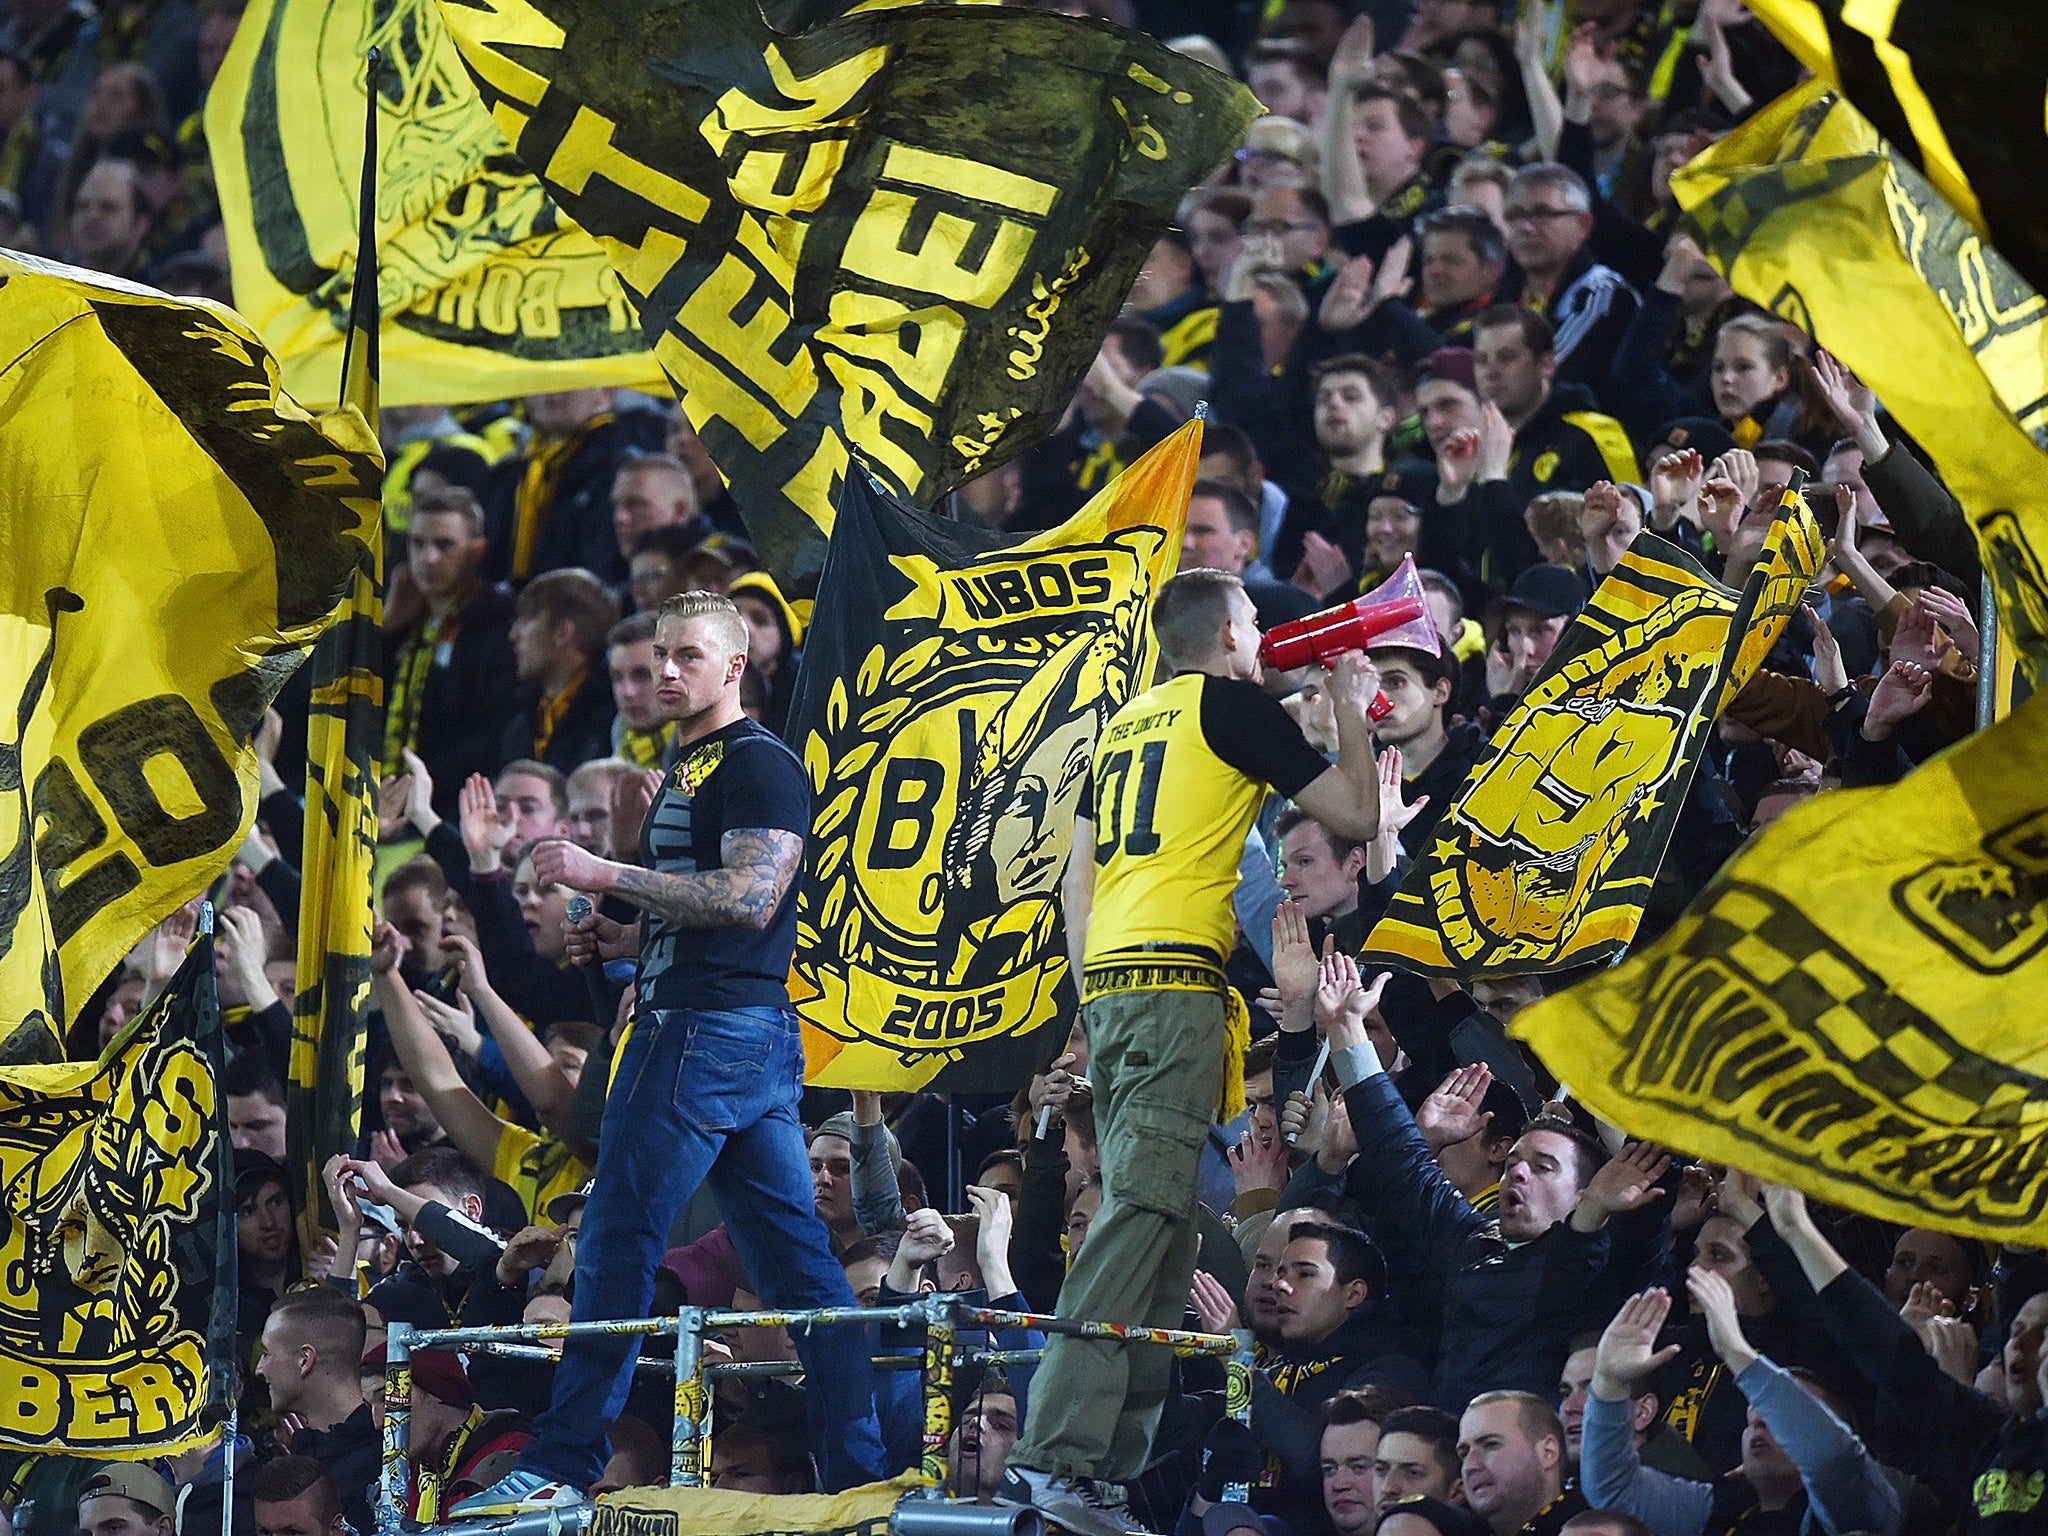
1156, 1063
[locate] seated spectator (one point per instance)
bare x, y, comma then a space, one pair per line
1417, 1458
1432, 1517
255, 1101
640, 1457
1511, 1447
312, 1346
451, 679
760, 1456
295, 1496
1356, 406
565, 706
984, 1429
1802, 1467
124, 1499
550, 507
652, 490
1586, 305
453, 1445
1319, 871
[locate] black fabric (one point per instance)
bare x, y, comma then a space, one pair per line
1246, 727
471, 695
352, 1454
577, 527
583, 732
757, 784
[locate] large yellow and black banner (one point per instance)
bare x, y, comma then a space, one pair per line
180, 533
861, 1511
338, 855
895, 236
486, 288
1546, 859
117, 1237
1853, 1004
952, 688
1810, 214
1957, 89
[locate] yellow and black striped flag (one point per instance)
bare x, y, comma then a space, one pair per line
897, 234
1546, 858
324, 1097
488, 290
179, 533
117, 1334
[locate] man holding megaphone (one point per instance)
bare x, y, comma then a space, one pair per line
1179, 774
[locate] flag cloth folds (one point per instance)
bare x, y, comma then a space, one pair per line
487, 289
344, 731
1547, 856
1808, 213
1956, 88
897, 234
952, 688
181, 533
117, 1236
1852, 1005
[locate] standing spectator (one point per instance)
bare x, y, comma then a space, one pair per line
558, 635
294, 1496
641, 734
652, 490
551, 506
1417, 1458
1422, 690
110, 219
123, 1499
1587, 305
1375, 139
312, 1346
1172, 296
1511, 1446
1356, 405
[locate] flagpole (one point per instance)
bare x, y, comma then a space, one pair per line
1987, 652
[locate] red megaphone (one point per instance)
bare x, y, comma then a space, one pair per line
1396, 612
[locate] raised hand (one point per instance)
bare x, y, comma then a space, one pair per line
243, 946
1453, 1113
992, 1238
1954, 615
1924, 1303
1324, 568
1738, 467
1496, 444
1457, 461
1714, 1298
1740, 1197
531, 1248
1830, 673
1391, 281
1904, 690
1953, 1344
1215, 1308
1258, 1165
387, 948
1052, 1088
925, 1237
1854, 406
1295, 970
1627, 1182
1351, 64
1721, 506
456, 1025
1353, 295
1675, 480
632, 798
484, 832
1628, 1355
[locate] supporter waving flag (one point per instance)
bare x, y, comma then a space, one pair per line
182, 532
896, 235
952, 689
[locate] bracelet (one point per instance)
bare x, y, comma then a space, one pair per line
1841, 696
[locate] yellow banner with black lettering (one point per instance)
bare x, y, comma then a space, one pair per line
1955, 88
1853, 1004
117, 1322
487, 289
952, 688
1809, 213
896, 235
183, 531
861, 1511
1547, 857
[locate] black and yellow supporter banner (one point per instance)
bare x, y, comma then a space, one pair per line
486, 288
1853, 1004
338, 854
182, 531
1957, 89
117, 1237
861, 1511
953, 684
1808, 213
1547, 857
895, 236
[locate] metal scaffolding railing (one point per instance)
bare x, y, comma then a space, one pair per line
941, 1316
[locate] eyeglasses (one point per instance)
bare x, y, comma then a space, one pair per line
1539, 215
1277, 227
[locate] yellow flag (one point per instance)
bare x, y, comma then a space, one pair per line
487, 288
954, 681
184, 530
1853, 1005
1809, 213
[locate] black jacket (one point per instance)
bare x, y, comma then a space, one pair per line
577, 527
1590, 310
1509, 1311
471, 694
584, 731
352, 1455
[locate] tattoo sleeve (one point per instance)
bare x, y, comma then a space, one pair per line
760, 865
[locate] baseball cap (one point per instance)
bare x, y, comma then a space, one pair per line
1550, 590
565, 1205
127, 1480
1411, 480
253, 1167
1703, 434
1452, 363
438, 1372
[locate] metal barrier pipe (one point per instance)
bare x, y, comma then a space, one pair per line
1987, 652
913, 1516
536, 1522
397, 1424
684, 1462
1183, 1341
541, 1353
939, 1345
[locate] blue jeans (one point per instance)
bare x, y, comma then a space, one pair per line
707, 1094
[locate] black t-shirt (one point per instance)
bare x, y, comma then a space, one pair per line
738, 777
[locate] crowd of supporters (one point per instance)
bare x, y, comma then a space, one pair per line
1441, 305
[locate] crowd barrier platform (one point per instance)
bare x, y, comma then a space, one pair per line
913, 1505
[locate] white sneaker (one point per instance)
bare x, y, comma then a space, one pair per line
1075, 1504
517, 1492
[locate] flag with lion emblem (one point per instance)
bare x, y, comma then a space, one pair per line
117, 1236
951, 693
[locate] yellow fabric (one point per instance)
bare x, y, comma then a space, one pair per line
182, 532
398, 473
537, 1166
538, 482
1853, 1005
1805, 210
478, 305
1611, 438
551, 711
862, 1511
645, 749
1188, 339
1170, 821
764, 584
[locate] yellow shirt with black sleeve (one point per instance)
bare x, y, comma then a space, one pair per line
1179, 774
538, 1167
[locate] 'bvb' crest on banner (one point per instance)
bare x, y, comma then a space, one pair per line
946, 720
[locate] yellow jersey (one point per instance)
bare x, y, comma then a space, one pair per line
1178, 776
